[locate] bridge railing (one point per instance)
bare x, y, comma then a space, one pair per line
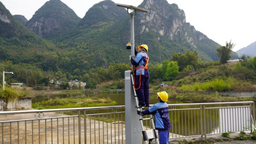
204, 119
93, 125
69, 125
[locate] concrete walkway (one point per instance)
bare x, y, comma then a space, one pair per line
238, 142
216, 138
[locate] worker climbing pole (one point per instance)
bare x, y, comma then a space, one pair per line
133, 122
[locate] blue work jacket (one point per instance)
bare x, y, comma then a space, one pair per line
161, 114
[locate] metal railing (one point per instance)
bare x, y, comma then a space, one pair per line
71, 126
95, 125
203, 119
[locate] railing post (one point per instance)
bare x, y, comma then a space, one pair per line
85, 127
204, 122
252, 119
253, 110
201, 119
79, 126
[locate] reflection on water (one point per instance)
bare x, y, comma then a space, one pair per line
190, 122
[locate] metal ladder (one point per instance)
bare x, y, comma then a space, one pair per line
148, 135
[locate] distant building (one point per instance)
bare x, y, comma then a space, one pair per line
234, 60
77, 83
18, 85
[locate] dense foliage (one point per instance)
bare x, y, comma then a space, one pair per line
208, 76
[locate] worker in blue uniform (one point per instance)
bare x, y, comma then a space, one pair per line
141, 75
161, 114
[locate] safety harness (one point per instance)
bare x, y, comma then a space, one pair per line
140, 67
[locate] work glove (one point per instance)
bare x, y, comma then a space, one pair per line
139, 112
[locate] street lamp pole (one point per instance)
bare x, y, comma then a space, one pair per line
4, 82
133, 10
132, 124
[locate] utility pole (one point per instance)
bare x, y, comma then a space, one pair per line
132, 124
4, 82
131, 10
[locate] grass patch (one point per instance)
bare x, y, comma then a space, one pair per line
219, 85
72, 92
73, 103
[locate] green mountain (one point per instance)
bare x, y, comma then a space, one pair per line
99, 39
18, 44
164, 29
102, 14
250, 50
53, 17
21, 19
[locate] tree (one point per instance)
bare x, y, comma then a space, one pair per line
155, 72
188, 58
164, 67
172, 71
224, 52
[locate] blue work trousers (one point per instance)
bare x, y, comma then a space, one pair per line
143, 92
163, 137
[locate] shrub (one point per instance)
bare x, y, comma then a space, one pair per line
214, 85
221, 86
242, 132
196, 87
11, 93
253, 134
186, 88
226, 134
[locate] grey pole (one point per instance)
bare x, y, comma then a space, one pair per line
3, 79
132, 124
132, 34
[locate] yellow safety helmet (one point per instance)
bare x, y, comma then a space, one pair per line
144, 46
163, 95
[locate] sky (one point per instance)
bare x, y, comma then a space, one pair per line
220, 20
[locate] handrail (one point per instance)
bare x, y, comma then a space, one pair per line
119, 106
58, 110
213, 103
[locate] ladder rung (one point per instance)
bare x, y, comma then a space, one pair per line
145, 119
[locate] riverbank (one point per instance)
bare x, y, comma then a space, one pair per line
174, 94
30, 92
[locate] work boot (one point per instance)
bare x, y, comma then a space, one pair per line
142, 106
